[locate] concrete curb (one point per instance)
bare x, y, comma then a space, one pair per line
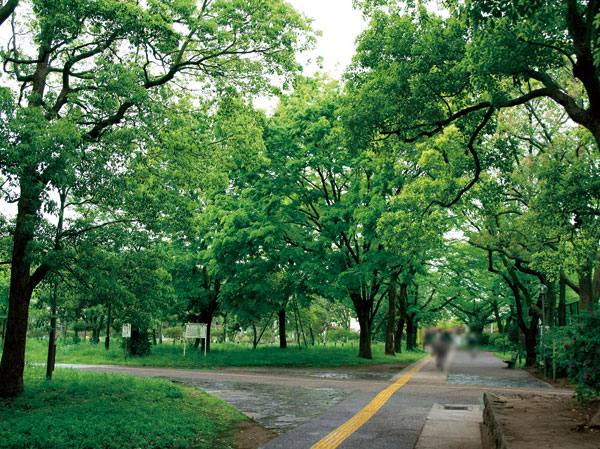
494, 428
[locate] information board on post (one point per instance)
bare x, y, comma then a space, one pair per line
193, 331
126, 334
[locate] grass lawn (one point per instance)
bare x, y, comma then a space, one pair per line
92, 410
221, 355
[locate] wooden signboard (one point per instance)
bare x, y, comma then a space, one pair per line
193, 331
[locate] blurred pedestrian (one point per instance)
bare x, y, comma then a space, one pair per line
442, 347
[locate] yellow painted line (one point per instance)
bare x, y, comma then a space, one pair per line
335, 438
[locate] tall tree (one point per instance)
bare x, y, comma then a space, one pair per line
331, 196
415, 73
87, 78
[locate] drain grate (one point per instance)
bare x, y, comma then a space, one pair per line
456, 407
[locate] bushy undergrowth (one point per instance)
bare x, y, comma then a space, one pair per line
99, 411
221, 355
338, 336
578, 352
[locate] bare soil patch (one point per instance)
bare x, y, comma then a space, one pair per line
559, 382
526, 421
251, 435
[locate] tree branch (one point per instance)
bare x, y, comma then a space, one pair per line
7, 9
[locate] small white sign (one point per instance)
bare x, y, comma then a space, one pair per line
126, 330
195, 330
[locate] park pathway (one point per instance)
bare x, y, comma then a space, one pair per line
305, 406
400, 421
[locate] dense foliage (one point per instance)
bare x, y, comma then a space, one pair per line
578, 353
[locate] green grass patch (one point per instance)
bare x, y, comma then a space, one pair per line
104, 411
221, 355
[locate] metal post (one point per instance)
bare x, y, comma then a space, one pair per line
184, 332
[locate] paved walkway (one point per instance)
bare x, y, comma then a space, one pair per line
427, 412
431, 408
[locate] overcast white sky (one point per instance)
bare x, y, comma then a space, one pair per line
340, 25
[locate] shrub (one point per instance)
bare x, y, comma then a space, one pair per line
497, 340
341, 335
484, 338
174, 332
139, 343
578, 352
37, 333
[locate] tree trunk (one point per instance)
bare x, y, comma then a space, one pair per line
21, 288
498, 317
562, 304
282, 337
64, 329
206, 317
391, 320
363, 305
529, 332
52, 338
398, 336
410, 332
299, 320
531, 340
139, 342
22, 282
364, 347
297, 332
550, 304
411, 324
402, 307
98, 325
254, 336
415, 334
586, 299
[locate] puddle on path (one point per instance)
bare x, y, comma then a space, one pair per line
489, 381
276, 407
364, 375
